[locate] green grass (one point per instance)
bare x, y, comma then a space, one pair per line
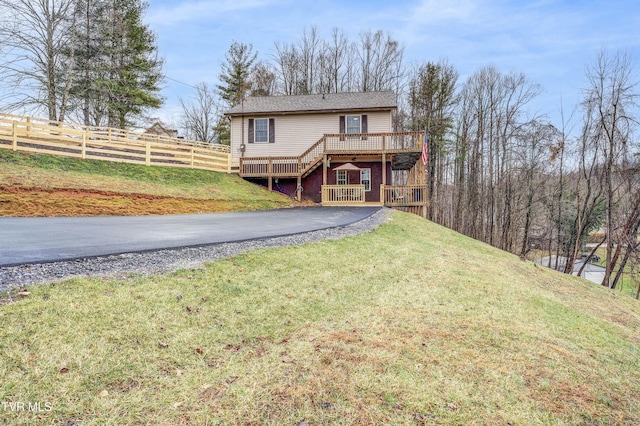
47, 171
408, 324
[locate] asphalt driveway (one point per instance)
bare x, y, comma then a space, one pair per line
40, 240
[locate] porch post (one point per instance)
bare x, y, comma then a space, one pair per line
384, 168
384, 176
324, 169
298, 192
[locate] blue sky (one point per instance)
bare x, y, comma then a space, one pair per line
551, 42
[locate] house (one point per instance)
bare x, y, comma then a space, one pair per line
336, 148
160, 130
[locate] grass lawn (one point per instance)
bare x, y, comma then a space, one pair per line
408, 324
46, 185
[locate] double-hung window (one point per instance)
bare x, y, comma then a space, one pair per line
354, 124
261, 130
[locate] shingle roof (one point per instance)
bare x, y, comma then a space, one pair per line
316, 103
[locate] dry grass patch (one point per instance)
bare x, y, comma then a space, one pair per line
409, 324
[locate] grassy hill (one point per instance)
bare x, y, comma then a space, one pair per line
43, 185
408, 324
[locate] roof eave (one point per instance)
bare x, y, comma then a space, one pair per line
311, 111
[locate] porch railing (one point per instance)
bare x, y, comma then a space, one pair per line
342, 194
401, 196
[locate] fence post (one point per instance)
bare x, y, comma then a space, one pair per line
228, 162
148, 154
28, 126
84, 145
14, 135
192, 153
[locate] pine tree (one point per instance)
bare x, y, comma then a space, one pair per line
235, 73
135, 71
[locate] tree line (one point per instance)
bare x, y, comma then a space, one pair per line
495, 171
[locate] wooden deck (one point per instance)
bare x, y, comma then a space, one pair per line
331, 144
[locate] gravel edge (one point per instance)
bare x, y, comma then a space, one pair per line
163, 261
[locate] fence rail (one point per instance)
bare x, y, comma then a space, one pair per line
28, 134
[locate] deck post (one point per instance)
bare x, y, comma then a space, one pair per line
270, 173
298, 190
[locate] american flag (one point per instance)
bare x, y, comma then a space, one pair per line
425, 149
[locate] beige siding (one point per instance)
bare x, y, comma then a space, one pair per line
294, 134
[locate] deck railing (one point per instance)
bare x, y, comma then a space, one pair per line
362, 143
270, 166
27, 134
373, 142
334, 195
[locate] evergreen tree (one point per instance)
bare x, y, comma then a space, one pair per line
236, 71
134, 70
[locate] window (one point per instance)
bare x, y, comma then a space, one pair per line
262, 130
341, 177
365, 178
353, 124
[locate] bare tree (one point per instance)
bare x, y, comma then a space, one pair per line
611, 96
38, 36
201, 115
263, 79
380, 61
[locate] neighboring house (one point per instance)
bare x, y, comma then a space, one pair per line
592, 272
336, 148
158, 129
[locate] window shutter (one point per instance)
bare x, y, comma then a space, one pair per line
364, 124
272, 130
343, 126
250, 132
